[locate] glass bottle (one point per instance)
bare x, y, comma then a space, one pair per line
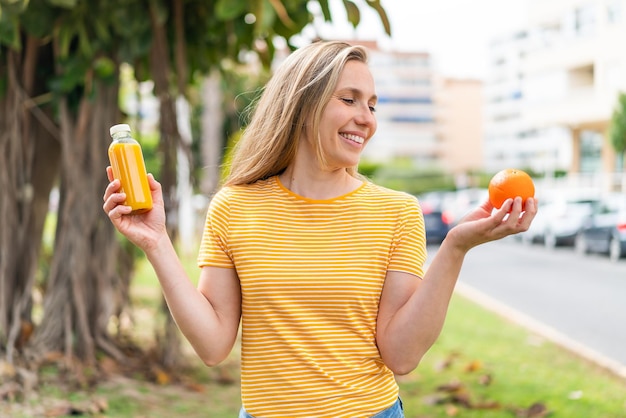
129, 167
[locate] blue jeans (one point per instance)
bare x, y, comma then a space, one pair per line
395, 411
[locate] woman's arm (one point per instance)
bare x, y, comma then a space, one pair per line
208, 315
412, 311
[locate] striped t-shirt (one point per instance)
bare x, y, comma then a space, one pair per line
311, 274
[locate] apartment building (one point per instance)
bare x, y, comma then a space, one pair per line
405, 109
460, 124
553, 88
434, 122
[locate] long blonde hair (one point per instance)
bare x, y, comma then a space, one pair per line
295, 96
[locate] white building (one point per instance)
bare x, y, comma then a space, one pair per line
405, 109
567, 69
510, 139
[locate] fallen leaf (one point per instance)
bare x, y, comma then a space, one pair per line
161, 377
452, 411
452, 386
447, 362
434, 399
485, 379
474, 366
487, 405
536, 410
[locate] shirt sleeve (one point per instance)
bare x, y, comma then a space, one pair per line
214, 250
409, 250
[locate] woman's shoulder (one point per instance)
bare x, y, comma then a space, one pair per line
381, 192
244, 191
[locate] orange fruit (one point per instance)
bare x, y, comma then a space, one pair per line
510, 183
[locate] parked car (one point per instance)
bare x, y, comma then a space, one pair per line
558, 221
437, 226
604, 230
437, 221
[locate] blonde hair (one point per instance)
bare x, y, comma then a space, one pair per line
295, 96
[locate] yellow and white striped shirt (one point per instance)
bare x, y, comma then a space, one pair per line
311, 274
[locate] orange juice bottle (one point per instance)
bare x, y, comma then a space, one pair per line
130, 169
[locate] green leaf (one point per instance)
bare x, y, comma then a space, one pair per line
325, 10
64, 35
102, 31
72, 75
104, 67
65, 4
354, 14
375, 4
618, 125
265, 18
9, 31
39, 19
231, 9
84, 43
13, 7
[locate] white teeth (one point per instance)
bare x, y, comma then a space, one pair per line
354, 138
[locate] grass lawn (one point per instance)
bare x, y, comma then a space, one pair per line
485, 366
481, 366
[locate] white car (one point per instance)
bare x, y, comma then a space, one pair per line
558, 221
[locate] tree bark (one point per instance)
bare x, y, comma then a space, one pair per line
84, 290
31, 149
169, 340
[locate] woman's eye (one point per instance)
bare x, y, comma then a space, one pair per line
372, 109
348, 101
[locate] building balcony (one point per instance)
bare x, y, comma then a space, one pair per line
577, 107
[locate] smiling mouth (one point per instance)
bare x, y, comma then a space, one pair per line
354, 138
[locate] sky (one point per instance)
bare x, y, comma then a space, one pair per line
455, 32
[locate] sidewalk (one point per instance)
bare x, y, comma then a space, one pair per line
541, 329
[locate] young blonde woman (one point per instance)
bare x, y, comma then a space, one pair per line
324, 269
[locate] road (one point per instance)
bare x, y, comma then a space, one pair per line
577, 301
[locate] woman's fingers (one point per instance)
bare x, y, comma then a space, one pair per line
109, 171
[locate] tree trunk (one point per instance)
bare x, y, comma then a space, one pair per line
169, 340
212, 136
84, 289
30, 149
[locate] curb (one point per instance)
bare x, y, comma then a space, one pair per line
541, 329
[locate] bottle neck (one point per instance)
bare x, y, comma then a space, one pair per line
121, 135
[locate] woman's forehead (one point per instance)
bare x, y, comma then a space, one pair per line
356, 77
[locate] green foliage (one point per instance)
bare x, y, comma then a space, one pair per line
13, 7
369, 168
9, 32
39, 21
402, 175
617, 128
354, 14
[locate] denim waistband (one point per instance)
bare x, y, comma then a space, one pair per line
394, 411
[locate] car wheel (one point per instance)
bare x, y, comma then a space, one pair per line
550, 241
527, 239
615, 249
580, 244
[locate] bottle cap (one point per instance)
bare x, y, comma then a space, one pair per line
122, 127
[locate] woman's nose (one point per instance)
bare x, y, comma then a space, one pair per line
366, 116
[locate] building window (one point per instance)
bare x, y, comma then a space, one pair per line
585, 20
590, 151
614, 11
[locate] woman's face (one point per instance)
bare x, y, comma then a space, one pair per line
348, 121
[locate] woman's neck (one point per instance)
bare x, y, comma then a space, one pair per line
319, 185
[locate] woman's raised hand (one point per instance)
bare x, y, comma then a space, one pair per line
145, 229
